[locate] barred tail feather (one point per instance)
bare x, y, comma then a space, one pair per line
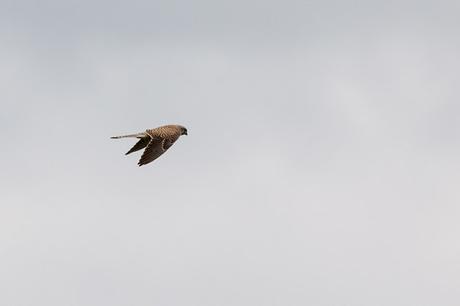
138, 135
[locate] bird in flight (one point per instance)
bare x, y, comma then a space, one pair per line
155, 141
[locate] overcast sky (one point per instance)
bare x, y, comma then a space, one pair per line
321, 167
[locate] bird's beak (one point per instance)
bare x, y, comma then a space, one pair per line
185, 133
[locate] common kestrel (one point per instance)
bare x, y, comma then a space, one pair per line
156, 141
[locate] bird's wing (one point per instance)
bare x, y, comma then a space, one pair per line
154, 150
142, 143
169, 141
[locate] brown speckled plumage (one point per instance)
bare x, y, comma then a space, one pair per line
155, 141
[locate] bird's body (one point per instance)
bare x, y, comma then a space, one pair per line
155, 141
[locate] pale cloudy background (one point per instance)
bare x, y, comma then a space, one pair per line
321, 166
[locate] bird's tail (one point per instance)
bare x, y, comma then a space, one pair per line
138, 135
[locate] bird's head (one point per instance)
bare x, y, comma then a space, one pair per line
183, 131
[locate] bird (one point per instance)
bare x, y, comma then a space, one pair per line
156, 141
